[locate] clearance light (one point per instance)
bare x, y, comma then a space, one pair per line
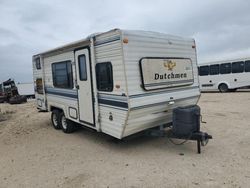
125, 41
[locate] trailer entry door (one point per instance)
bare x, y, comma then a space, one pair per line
84, 86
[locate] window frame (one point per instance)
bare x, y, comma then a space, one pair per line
222, 64
38, 63
70, 82
200, 69
217, 73
79, 67
247, 62
110, 88
237, 71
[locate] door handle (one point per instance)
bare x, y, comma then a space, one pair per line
77, 87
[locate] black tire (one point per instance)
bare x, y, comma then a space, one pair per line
223, 88
66, 125
55, 119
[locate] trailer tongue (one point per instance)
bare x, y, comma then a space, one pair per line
185, 126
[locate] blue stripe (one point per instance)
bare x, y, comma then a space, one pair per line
73, 94
64, 93
113, 103
107, 41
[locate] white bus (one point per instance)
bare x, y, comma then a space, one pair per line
224, 76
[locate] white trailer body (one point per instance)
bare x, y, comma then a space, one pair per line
118, 82
226, 75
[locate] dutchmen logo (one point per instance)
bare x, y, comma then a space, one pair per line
170, 65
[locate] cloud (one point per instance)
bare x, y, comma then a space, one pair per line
28, 27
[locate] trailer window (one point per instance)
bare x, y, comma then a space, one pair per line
104, 76
214, 69
39, 86
247, 66
225, 68
82, 67
62, 75
38, 63
204, 70
238, 67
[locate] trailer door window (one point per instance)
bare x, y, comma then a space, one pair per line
82, 67
104, 76
62, 75
247, 66
238, 67
204, 70
225, 68
214, 69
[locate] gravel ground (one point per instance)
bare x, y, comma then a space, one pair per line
33, 154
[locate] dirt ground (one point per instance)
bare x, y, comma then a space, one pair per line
33, 154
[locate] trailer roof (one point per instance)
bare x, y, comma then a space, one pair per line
86, 41
72, 45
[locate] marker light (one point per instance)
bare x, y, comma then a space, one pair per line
125, 40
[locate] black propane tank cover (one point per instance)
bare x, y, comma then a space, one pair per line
186, 120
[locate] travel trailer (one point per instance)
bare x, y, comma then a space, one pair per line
118, 82
227, 75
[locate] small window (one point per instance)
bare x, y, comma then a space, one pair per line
104, 76
1, 89
214, 69
38, 64
62, 75
82, 67
225, 68
238, 67
247, 66
204, 70
39, 86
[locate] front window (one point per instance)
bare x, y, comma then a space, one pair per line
38, 63
104, 76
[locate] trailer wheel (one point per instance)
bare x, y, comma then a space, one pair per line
223, 88
67, 125
55, 119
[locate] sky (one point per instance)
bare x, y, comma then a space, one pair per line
221, 28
